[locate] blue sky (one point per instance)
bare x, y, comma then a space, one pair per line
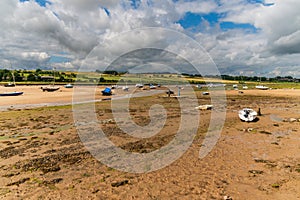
40, 2
192, 20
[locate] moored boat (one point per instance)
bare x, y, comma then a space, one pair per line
247, 114
261, 87
125, 88
11, 93
152, 86
106, 92
69, 85
10, 85
49, 88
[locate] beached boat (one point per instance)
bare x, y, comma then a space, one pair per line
139, 85
69, 85
247, 115
106, 92
204, 107
152, 86
9, 85
125, 88
49, 88
169, 92
261, 87
11, 93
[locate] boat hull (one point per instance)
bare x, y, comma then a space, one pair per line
49, 89
247, 115
68, 86
106, 92
261, 87
9, 85
11, 94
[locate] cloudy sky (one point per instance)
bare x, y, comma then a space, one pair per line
242, 37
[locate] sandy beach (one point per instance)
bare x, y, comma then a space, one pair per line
34, 95
42, 157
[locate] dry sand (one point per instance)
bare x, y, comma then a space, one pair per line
34, 95
42, 157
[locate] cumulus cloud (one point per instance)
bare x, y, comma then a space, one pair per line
195, 6
31, 34
279, 23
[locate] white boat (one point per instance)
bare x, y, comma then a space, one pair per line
247, 115
125, 88
139, 85
152, 86
199, 86
245, 87
261, 87
69, 85
204, 107
13, 84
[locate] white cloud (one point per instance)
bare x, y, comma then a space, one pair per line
40, 56
195, 6
31, 34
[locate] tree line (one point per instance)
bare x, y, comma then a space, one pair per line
40, 75
37, 75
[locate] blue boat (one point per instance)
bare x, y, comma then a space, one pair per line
11, 93
106, 92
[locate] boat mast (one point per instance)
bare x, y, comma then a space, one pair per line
13, 76
53, 83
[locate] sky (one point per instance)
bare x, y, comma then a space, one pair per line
242, 37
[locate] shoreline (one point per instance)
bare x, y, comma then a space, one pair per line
62, 97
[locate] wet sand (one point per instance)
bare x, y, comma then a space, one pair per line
42, 157
34, 95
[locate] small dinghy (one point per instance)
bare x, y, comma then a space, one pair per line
11, 94
50, 88
69, 85
261, 87
247, 115
125, 88
106, 92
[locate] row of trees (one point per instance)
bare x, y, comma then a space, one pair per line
46, 75
37, 75
250, 78
258, 78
